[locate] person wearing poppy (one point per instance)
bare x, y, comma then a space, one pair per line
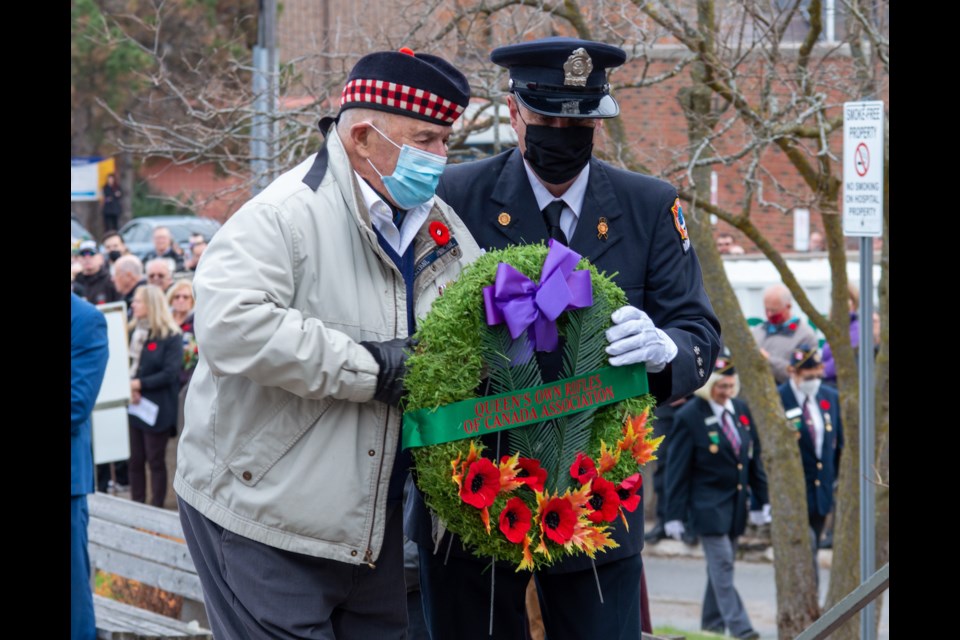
289, 470
814, 410
714, 453
782, 332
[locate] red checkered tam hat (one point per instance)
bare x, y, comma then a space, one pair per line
419, 86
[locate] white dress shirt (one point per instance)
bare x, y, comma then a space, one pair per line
381, 216
815, 415
572, 198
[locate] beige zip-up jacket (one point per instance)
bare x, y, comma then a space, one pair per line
282, 442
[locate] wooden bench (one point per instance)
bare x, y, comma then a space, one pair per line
146, 544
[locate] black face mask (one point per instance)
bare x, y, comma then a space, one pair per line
558, 154
114, 256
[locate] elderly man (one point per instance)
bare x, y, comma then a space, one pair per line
551, 187
127, 276
782, 332
160, 272
95, 276
714, 456
163, 247
198, 244
289, 473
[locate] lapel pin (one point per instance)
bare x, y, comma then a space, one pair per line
602, 229
503, 219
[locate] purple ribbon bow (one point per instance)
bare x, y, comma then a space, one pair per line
524, 305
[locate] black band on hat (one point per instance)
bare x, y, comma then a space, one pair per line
562, 77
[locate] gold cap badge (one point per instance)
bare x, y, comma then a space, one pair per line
576, 69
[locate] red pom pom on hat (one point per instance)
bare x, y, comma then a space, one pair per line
406, 50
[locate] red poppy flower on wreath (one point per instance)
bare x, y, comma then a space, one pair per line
744, 420
627, 492
604, 501
825, 405
439, 232
792, 326
151, 346
481, 485
557, 519
515, 520
530, 472
583, 468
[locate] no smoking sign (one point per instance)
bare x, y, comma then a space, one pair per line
863, 124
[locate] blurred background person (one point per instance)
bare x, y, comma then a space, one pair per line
816, 241
94, 275
198, 244
814, 409
115, 247
663, 426
111, 203
160, 272
156, 357
714, 455
782, 332
127, 278
829, 365
180, 297
164, 247
726, 245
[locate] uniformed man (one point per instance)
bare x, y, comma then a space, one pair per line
814, 409
632, 225
714, 457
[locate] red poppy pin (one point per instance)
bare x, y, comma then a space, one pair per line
151, 346
439, 232
792, 326
744, 420
825, 405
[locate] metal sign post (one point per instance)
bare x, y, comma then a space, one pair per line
863, 217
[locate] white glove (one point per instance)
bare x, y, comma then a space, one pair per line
674, 529
763, 517
634, 339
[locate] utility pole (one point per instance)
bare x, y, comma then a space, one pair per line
265, 89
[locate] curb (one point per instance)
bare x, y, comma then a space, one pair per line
750, 550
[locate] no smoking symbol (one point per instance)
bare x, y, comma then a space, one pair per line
861, 159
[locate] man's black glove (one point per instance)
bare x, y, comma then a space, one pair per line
391, 355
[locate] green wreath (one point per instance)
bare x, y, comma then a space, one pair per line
570, 477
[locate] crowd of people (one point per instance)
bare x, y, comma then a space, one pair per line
291, 483
158, 292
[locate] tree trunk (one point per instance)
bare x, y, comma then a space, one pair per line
793, 569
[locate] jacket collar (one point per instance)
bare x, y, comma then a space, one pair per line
515, 197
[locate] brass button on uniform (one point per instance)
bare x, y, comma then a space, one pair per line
819, 465
816, 482
247, 476
739, 487
740, 466
371, 453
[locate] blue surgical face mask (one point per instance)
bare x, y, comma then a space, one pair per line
414, 181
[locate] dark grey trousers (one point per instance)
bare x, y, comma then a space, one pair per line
722, 607
252, 590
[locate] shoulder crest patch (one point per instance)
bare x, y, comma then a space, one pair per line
680, 224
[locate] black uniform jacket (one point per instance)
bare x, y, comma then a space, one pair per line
706, 476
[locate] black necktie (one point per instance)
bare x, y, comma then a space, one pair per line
551, 214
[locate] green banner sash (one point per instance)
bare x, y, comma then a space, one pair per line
489, 414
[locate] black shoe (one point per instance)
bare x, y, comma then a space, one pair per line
656, 534
750, 635
827, 541
689, 539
